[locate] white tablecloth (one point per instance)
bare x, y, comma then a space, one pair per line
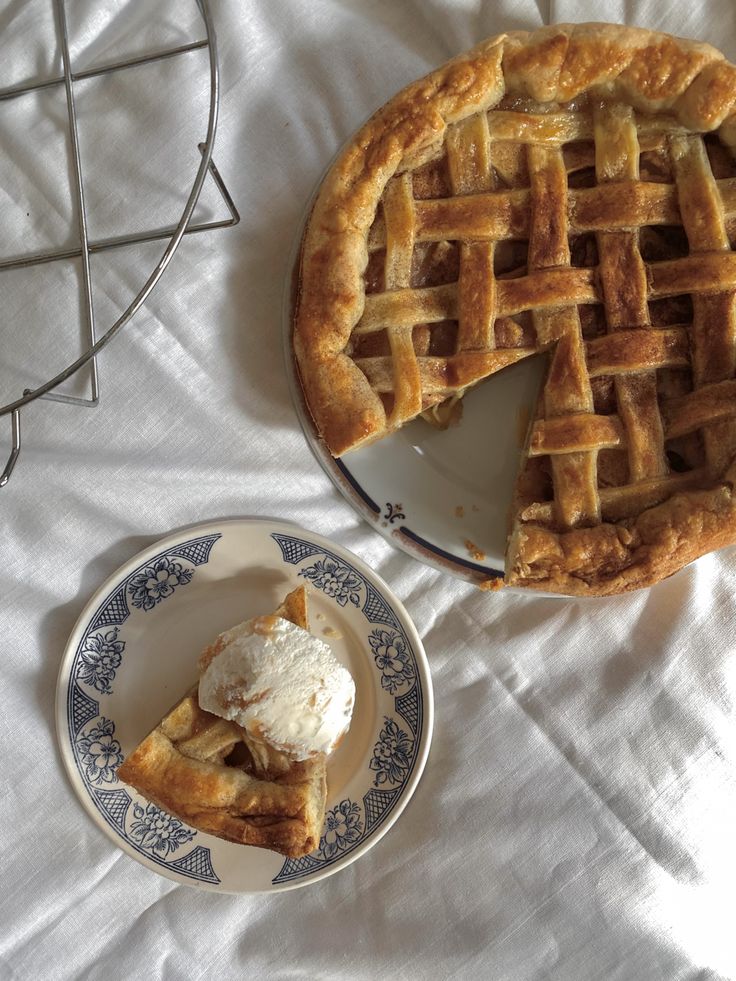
577, 818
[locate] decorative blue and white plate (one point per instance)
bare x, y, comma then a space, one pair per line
133, 654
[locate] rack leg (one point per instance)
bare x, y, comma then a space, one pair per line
15, 449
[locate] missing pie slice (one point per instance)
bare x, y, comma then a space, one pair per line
208, 772
571, 193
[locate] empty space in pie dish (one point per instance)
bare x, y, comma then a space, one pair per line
456, 485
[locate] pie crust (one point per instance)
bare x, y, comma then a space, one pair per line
202, 769
569, 191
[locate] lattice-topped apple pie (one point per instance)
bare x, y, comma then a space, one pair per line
570, 191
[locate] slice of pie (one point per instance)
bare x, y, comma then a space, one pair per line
571, 191
208, 772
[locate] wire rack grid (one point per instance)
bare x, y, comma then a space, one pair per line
86, 247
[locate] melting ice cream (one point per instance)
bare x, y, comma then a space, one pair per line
281, 684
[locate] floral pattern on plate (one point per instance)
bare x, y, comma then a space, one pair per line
99, 752
157, 830
343, 827
391, 754
392, 659
99, 660
157, 582
336, 580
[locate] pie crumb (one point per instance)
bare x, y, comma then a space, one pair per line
459, 511
331, 632
473, 551
491, 585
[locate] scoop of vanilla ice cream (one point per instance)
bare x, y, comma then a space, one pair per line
281, 684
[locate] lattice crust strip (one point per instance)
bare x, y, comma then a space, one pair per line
574, 474
714, 352
623, 278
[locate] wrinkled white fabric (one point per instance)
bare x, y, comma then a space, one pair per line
576, 818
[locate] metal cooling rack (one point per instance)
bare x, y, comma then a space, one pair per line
86, 247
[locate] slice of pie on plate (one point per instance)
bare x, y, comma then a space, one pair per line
209, 772
570, 192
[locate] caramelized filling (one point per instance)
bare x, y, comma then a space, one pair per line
374, 275
510, 259
373, 345
685, 453
580, 163
670, 311
722, 161
604, 395
657, 243
613, 468
534, 484
435, 263
584, 250
654, 166
584, 177
592, 320
240, 758
443, 338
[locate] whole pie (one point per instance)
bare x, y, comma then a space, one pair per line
570, 191
208, 772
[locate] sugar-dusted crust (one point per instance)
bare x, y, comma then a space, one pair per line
619, 557
284, 814
585, 545
180, 766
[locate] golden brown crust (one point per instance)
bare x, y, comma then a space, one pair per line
271, 802
617, 558
330, 293
284, 814
653, 71
630, 94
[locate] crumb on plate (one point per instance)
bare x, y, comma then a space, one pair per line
473, 551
